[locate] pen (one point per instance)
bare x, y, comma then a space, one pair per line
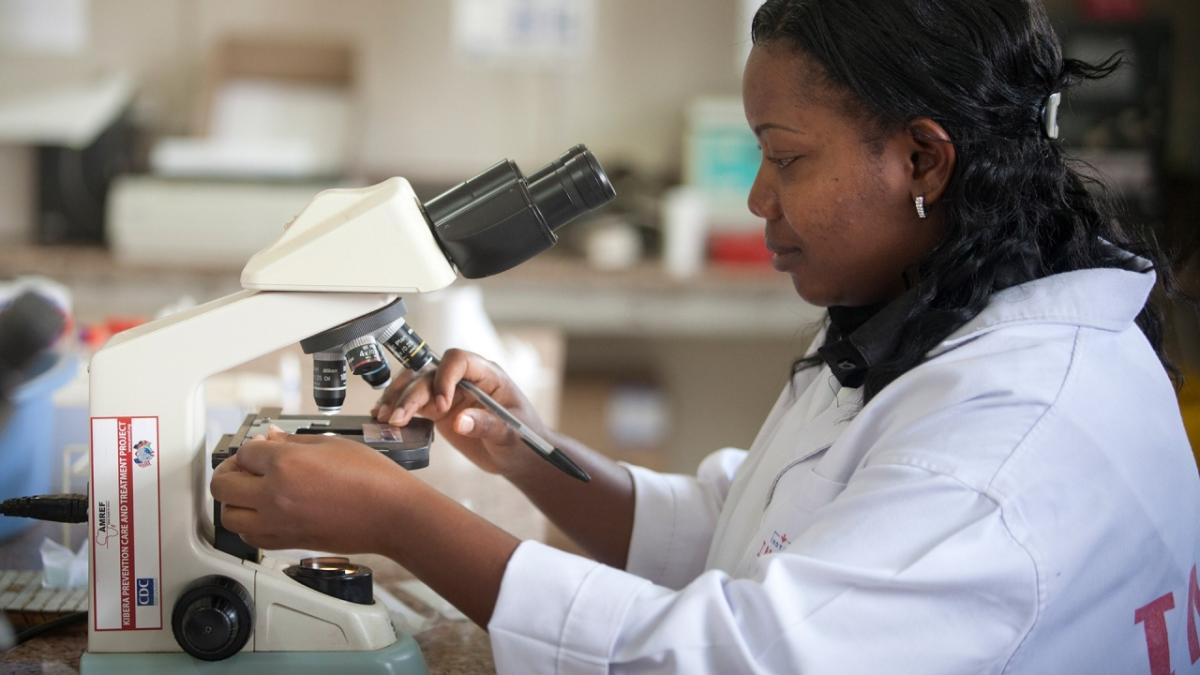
531, 438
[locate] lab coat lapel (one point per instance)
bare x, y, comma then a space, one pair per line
787, 479
817, 436
826, 426
801, 429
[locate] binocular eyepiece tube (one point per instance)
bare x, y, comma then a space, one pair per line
500, 218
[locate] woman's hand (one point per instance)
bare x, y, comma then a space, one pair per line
460, 419
332, 494
313, 492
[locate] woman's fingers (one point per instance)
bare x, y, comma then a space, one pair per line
415, 399
481, 424
382, 410
238, 488
411, 397
229, 464
462, 365
239, 520
250, 525
435, 396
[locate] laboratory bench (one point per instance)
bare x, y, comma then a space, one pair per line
450, 647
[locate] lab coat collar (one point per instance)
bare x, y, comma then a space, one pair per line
860, 337
1106, 299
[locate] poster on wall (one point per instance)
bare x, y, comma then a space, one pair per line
44, 26
526, 33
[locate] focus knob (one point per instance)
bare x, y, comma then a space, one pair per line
212, 619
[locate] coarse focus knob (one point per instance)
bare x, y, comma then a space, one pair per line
213, 617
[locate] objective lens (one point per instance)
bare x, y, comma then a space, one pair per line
329, 381
408, 347
366, 360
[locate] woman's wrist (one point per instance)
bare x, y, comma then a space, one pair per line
527, 467
460, 555
401, 505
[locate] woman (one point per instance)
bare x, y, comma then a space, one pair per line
980, 468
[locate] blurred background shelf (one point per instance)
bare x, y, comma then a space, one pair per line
557, 291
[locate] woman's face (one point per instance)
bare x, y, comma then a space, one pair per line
839, 213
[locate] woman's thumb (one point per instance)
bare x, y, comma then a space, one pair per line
477, 423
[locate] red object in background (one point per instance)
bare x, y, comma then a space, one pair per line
95, 335
738, 247
1112, 10
117, 324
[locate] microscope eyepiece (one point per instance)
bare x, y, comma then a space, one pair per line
500, 219
570, 186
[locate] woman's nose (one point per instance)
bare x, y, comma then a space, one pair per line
762, 200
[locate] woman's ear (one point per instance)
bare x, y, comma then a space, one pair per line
932, 156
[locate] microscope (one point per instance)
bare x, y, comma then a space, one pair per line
168, 584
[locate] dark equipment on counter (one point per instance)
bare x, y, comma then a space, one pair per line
29, 325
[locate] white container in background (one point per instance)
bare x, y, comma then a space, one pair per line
685, 230
612, 243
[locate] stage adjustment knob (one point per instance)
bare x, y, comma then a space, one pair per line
213, 617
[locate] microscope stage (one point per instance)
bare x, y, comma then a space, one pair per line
408, 446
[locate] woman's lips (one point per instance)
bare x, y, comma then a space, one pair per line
784, 259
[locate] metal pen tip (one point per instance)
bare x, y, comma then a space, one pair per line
559, 459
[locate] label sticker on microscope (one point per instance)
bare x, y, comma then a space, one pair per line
126, 553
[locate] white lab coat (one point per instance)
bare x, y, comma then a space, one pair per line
1023, 502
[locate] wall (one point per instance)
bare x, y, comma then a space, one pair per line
426, 109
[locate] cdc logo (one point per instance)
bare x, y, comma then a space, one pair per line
145, 591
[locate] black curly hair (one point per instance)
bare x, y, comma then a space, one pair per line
1016, 209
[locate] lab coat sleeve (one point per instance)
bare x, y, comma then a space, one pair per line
907, 570
675, 517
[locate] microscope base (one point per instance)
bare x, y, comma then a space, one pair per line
401, 658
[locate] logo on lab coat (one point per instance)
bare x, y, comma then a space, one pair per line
777, 542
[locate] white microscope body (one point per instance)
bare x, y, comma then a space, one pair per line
148, 509
348, 254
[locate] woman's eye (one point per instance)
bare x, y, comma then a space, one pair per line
782, 162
